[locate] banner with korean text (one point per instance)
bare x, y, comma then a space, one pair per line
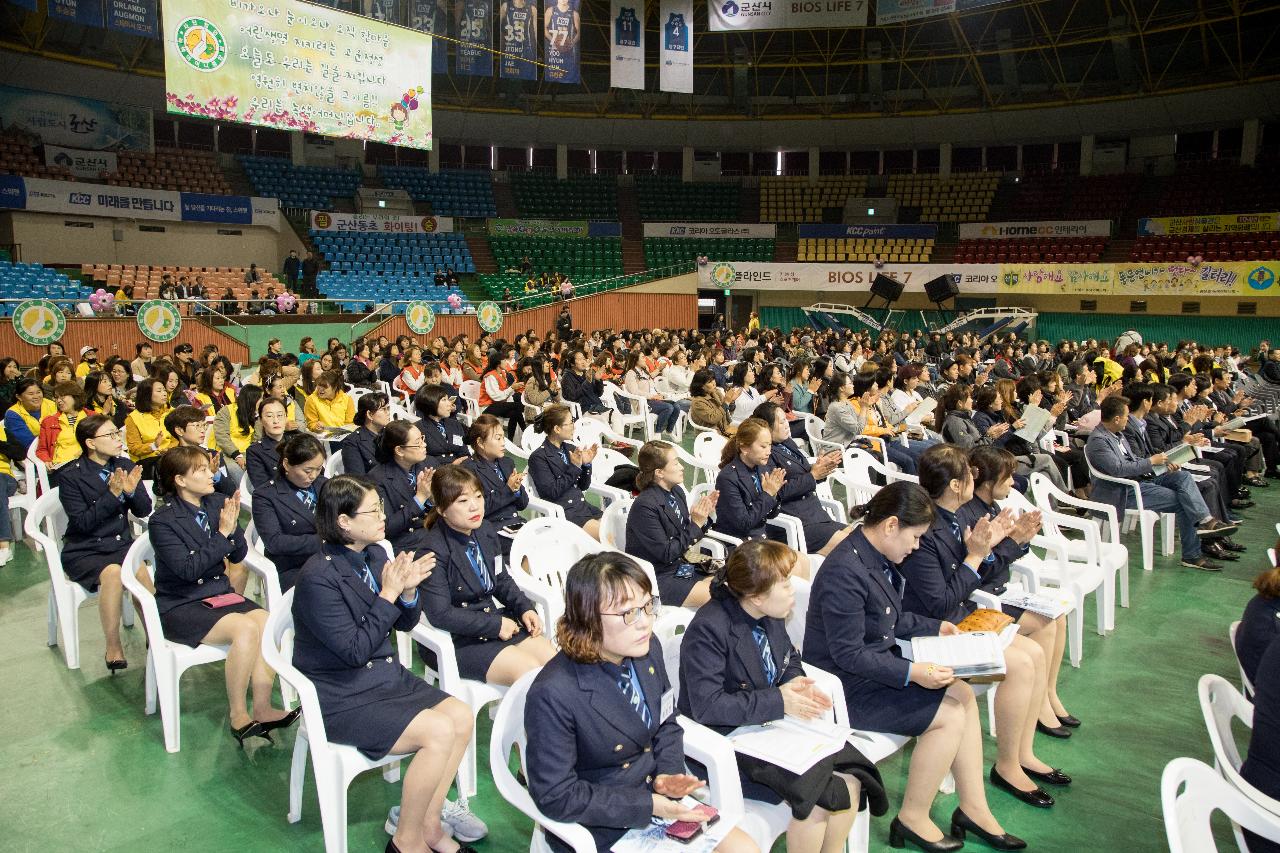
1007, 230
727, 16
75, 121
473, 56
747, 275
1223, 223
709, 229
376, 223
552, 228
896, 11
81, 163
518, 39
675, 53
626, 53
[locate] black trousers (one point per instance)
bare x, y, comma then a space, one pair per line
512, 410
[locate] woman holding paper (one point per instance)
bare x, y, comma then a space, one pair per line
854, 620
953, 560
739, 668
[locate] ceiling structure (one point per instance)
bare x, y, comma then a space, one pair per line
986, 57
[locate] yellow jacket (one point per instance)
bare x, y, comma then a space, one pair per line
142, 429
338, 412
206, 402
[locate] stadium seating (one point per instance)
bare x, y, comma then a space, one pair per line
794, 199
368, 287
146, 279
542, 196
1258, 246
1216, 187
454, 192
169, 169
665, 251
312, 187
1064, 250
395, 253
33, 281
855, 250
1103, 197
666, 198
958, 198
581, 258
20, 155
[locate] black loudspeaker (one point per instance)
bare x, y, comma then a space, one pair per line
886, 288
942, 288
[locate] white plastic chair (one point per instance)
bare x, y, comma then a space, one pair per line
1144, 519
334, 764
707, 447
639, 416
166, 661
548, 547
1220, 704
333, 466
1190, 792
1245, 683
46, 524
602, 468
36, 466
469, 394
531, 440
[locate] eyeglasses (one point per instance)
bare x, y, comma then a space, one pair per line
382, 513
629, 617
115, 433
415, 444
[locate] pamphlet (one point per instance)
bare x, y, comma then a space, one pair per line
790, 743
1179, 455
922, 411
1036, 420
976, 653
1048, 606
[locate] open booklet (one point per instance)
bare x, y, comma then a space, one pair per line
1047, 605
791, 743
922, 411
1239, 423
1179, 455
973, 654
1036, 420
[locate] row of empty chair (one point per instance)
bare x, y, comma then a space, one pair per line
665, 251
146, 280
796, 199
957, 198
174, 169
1257, 246
313, 187
395, 252
855, 249
542, 196
1069, 250
450, 192
34, 281
362, 288
666, 198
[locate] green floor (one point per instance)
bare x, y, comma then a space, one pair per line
85, 770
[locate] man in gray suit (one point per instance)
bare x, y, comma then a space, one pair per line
1173, 491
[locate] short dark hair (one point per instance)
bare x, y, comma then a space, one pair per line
592, 584
139, 347
340, 496
183, 417
447, 485
177, 462
756, 566
426, 400
368, 404
142, 401
87, 428
1137, 394
908, 502
1114, 407
72, 390
394, 436
991, 464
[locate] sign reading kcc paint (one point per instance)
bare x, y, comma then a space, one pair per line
159, 321
39, 322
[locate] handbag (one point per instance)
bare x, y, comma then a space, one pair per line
985, 619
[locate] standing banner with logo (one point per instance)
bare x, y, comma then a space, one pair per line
378, 223
77, 122
562, 35
626, 55
675, 56
1007, 230
726, 16
518, 39
136, 17
895, 11
472, 56
87, 13
81, 163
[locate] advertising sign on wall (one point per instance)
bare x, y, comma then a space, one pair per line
376, 223
1006, 230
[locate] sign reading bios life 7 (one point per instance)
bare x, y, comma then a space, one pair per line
297, 66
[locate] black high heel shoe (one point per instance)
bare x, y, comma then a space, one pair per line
284, 722
1068, 721
251, 729
900, 834
1053, 777
961, 823
1038, 797
1060, 732
114, 666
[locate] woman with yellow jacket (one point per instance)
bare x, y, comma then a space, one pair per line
57, 443
144, 432
330, 405
213, 392
22, 420
233, 430
8, 488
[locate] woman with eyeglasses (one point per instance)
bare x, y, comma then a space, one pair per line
360, 449
403, 478
444, 435
263, 456
604, 748
98, 490
284, 508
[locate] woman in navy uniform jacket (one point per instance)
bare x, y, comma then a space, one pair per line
747, 483
604, 748
441, 431
798, 496
284, 510
348, 599
738, 668
855, 618
503, 486
262, 459
403, 478
1260, 623
560, 471
941, 574
662, 526
496, 632
197, 536
1261, 767
360, 449
98, 491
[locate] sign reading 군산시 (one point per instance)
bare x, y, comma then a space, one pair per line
298, 66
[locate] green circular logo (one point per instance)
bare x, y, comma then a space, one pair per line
420, 317
201, 45
490, 316
39, 322
159, 321
723, 274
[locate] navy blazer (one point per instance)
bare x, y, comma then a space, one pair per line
97, 522
1261, 767
342, 627
400, 503
743, 506
798, 496
584, 390
995, 573
590, 759
262, 461
190, 564
501, 505
722, 679
655, 532
1258, 627
939, 582
855, 618
286, 527
359, 452
561, 482
454, 600
443, 448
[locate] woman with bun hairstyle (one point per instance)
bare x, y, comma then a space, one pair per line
504, 493
561, 472
284, 508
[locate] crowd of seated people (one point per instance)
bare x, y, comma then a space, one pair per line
175, 439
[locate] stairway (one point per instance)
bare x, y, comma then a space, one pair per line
633, 260
504, 199
1118, 250
481, 252
786, 249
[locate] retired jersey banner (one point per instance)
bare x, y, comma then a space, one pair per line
561, 34
709, 229
136, 17
1225, 223
894, 11
736, 15
431, 16
1007, 230
675, 53
376, 223
518, 39
857, 278
626, 54
87, 13
472, 55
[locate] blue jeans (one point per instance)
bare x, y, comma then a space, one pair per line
8, 488
1175, 491
901, 456
667, 414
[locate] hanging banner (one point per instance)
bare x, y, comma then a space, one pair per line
1225, 223
1005, 230
726, 16
472, 56
30, 5
518, 40
626, 56
1210, 278
87, 13
81, 163
748, 275
868, 232
675, 57
709, 229
75, 121
1074, 279
377, 223
562, 31
136, 17
895, 11
430, 16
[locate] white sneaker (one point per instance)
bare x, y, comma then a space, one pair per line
393, 820
466, 826
6, 556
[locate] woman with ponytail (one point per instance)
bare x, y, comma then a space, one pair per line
561, 472
1260, 623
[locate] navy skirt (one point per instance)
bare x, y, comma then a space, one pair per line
674, 590
476, 655
86, 568
877, 707
375, 727
189, 623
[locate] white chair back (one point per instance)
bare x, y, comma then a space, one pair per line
1244, 679
1220, 705
613, 525
277, 651
1190, 792
333, 466
706, 450
551, 546
531, 440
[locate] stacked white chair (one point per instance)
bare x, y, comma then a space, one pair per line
1190, 792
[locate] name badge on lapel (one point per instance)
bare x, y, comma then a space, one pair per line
457, 440
668, 705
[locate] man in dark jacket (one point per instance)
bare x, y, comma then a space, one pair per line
564, 324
